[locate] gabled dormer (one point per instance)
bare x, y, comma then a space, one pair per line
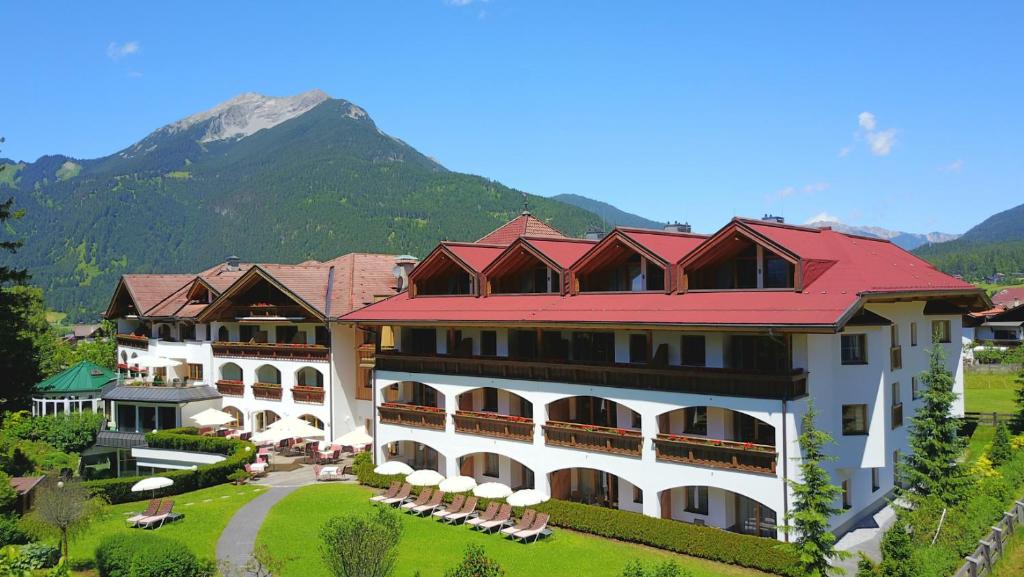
619, 263
258, 297
738, 257
453, 268
523, 269
201, 292
122, 304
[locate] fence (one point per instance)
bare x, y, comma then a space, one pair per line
1001, 368
990, 549
990, 419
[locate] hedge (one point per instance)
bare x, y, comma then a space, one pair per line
706, 542
238, 453
148, 555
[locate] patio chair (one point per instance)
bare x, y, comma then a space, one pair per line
421, 499
245, 436
536, 531
430, 506
391, 492
503, 518
488, 514
157, 520
452, 507
401, 496
469, 508
151, 509
524, 523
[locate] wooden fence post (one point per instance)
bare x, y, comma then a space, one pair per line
972, 567
997, 536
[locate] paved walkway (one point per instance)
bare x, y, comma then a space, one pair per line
866, 537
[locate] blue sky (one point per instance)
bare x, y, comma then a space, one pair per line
903, 115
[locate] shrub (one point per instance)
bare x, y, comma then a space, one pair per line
363, 467
476, 564
11, 532
39, 555
148, 555
664, 569
68, 433
8, 496
361, 545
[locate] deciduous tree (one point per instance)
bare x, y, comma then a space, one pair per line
476, 564
361, 545
66, 507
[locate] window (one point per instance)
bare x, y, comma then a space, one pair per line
854, 349
855, 419
940, 331
593, 347
491, 399
913, 334
693, 351
637, 420
491, 465
247, 333
847, 499
914, 394
897, 407
419, 341
187, 331
168, 417
195, 372
638, 348
695, 420
696, 500
778, 273
875, 482
322, 336
895, 352
522, 344
222, 334
286, 334
638, 495
489, 343
894, 334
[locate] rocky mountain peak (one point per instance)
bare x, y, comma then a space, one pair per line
249, 113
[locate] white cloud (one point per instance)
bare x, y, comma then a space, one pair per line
816, 187
117, 51
843, 152
879, 141
866, 120
955, 166
822, 217
807, 190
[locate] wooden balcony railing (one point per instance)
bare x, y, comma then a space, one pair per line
493, 425
716, 453
231, 388
271, 351
133, 341
306, 394
367, 356
594, 438
269, 391
272, 311
700, 380
412, 415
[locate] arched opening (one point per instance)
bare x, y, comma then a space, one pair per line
239, 422
230, 372
487, 467
494, 400
597, 411
223, 334
268, 374
264, 419
309, 377
416, 455
163, 332
703, 505
124, 356
595, 487
716, 437
313, 421
414, 393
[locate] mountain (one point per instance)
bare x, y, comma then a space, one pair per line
269, 179
904, 240
608, 213
994, 245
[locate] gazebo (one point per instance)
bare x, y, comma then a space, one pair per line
74, 390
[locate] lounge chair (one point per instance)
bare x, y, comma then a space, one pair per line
151, 509
391, 492
401, 496
421, 499
452, 507
524, 523
536, 531
489, 513
469, 508
162, 515
430, 506
504, 517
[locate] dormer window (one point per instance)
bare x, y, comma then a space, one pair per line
449, 279
537, 278
743, 264
624, 272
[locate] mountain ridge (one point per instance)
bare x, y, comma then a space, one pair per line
904, 240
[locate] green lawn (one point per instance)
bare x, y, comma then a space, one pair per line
989, 392
207, 512
291, 533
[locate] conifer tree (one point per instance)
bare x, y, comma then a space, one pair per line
1001, 450
814, 498
897, 553
1018, 418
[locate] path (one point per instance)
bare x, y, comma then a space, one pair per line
865, 537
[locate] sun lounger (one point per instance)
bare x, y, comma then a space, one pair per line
421, 499
400, 497
391, 492
430, 506
489, 513
504, 517
151, 509
524, 523
469, 508
452, 507
163, 515
538, 529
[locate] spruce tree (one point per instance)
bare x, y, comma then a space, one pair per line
1018, 417
932, 468
1001, 450
897, 553
814, 498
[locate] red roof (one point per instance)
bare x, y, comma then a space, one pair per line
523, 225
667, 245
476, 255
1006, 297
562, 251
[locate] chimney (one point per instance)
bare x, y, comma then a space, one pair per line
403, 266
676, 227
593, 234
773, 218
231, 263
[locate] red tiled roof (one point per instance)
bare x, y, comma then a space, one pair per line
24, 484
523, 225
477, 255
150, 290
669, 246
1007, 296
562, 251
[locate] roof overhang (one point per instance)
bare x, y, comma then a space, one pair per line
440, 254
255, 272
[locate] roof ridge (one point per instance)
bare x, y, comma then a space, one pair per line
662, 232
757, 221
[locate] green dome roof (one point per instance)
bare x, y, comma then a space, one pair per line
85, 377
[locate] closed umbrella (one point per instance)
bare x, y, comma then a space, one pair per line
492, 490
526, 498
457, 484
393, 468
212, 418
151, 484
356, 438
424, 478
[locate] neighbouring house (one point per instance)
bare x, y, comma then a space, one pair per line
659, 371
25, 487
83, 333
1009, 297
76, 389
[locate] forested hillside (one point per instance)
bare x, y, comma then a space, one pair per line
315, 186
611, 215
995, 245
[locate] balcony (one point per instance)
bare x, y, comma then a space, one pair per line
272, 351
494, 425
268, 391
594, 438
270, 312
412, 416
367, 356
716, 453
699, 380
132, 341
310, 395
230, 388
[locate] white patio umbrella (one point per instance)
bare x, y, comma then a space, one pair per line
492, 490
287, 428
212, 418
424, 478
457, 484
159, 362
393, 468
356, 438
151, 484
526, 498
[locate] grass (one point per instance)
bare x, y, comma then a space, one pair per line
1012, 564
207, 512
979, 442
989, 392
293, 525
